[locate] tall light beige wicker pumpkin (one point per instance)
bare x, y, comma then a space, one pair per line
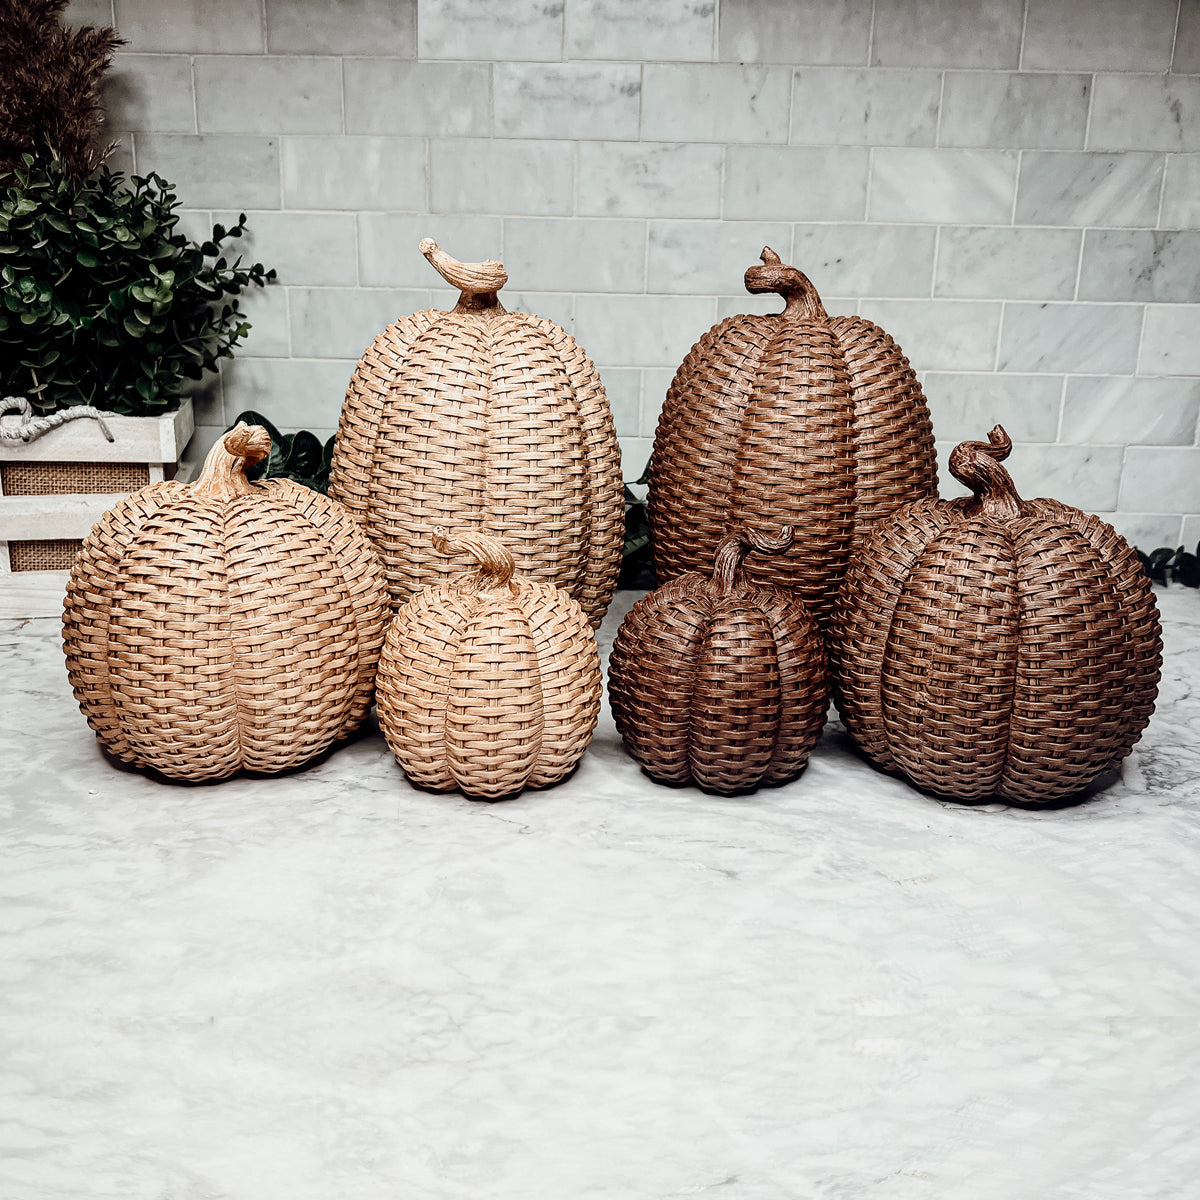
224, 625
483, 420
792, 418
490, 681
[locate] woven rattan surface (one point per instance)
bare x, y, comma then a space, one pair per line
794, 418
490, 681
485, 420
43, 554
993, 646
716, 680
71, 478
224, 624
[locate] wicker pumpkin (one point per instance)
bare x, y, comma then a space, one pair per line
797, 418
482, 419
994, 646
716, 680
490, 681
224, 624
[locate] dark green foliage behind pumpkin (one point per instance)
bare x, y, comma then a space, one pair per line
299, 456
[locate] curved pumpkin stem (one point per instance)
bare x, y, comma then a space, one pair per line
803, 301
224, 473
978, 465
496, 564
728, 573
478, 282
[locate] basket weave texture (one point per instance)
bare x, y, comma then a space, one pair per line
994, 646
485, 420
795, 418
489, 682
224, 624
716, 680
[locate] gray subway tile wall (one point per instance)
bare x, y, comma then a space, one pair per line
1010, 187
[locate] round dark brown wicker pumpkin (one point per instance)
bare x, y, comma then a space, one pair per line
994, 646
490, 681
797, 418
224, 624
716, 680
481, 419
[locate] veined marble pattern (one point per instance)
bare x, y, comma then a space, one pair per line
329, 984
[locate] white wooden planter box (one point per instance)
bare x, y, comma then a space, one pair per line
155, 442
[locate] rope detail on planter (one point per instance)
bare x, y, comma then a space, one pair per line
31, 428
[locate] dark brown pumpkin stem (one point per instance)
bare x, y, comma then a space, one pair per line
224, 473
728, 573
978, 465
478, 282
496, 564
803, 302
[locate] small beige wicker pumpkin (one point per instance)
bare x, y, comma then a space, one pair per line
719, 681
793, 418
994, 646
224, 625
486, 420
489, 682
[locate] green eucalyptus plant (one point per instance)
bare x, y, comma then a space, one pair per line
102, 300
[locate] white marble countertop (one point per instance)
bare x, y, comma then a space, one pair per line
331, 985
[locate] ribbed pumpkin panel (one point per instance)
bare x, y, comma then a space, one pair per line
1079, 692
652, 672
285, 614
803, 683
737, 706
414, 682
568, 667
795, 463
429, 461
603, 535
494, 695
172, 682
950, 663
97, 576
894, 455
536, 498
863, 616
363, 410
356, 571
696, 446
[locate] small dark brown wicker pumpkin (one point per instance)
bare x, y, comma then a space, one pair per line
994, 646
489, 682
797, 418
223, 624
715, 680
485, 420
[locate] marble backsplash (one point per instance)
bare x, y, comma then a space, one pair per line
1008, 186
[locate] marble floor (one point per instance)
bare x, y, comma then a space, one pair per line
331, 985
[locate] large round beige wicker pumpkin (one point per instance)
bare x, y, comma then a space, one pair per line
490, 681
795, 418
994, 646
719, 681
486, 420
223, 624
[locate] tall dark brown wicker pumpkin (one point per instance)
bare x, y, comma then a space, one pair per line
994, 646
485, 421
797, 418
718, 681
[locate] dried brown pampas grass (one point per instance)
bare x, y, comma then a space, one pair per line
50, 81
